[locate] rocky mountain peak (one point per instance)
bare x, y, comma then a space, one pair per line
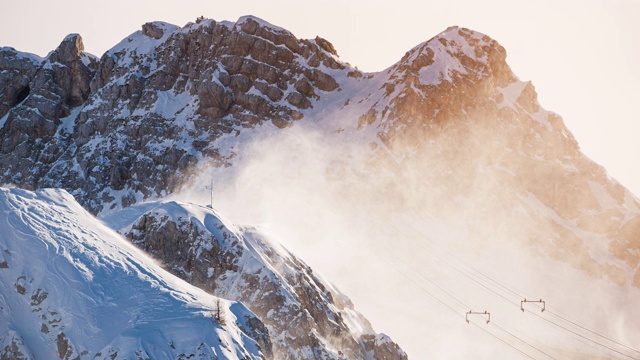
456, 55
244, 264
167, 101
42, 96
69, 50
202, 82
431, 83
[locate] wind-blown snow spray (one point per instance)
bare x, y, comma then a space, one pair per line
419, 235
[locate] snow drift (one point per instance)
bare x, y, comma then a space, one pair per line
72, 288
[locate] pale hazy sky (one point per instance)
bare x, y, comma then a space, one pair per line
582, 56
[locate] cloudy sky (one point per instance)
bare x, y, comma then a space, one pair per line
582, 55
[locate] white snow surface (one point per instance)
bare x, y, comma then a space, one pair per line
35, 59
67, 273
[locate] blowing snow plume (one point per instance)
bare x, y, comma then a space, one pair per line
474, 215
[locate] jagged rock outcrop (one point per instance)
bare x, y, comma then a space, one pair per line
306, 317
155, 105
60, 83
16, 71
432, 83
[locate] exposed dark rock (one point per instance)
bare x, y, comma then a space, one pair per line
13, 347
216, 78
279, 288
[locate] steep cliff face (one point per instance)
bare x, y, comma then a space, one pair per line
155, 105
16, 70
39, 99
306, 317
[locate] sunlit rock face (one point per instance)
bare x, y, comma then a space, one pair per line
492, 156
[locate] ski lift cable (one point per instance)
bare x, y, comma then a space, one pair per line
494, 323
458, 313
463, 263
507, 288
471, 322
517, 332
549, 311
586, 338
387, 251
591, 331
502, 340
513, 303
416, 271
420, 287
468, 276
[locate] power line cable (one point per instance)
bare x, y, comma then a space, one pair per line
520, 296
586, 338
522, 341
591, 331
503, 341
462, 303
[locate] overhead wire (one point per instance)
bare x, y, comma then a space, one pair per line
514, 292
495, 282
586, 338
503, 341
522, 341
459, 301
592, 331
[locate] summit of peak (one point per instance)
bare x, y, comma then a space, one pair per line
248, 18
455, 31
250, 25
455, 52
71, 45
458, 39
157, 29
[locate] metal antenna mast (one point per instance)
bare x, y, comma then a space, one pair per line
210, 188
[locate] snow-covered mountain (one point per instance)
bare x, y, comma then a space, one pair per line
73, 288
306, 316
448, 140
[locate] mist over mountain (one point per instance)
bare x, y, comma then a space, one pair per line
433, 190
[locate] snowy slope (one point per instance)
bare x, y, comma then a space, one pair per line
72, 288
